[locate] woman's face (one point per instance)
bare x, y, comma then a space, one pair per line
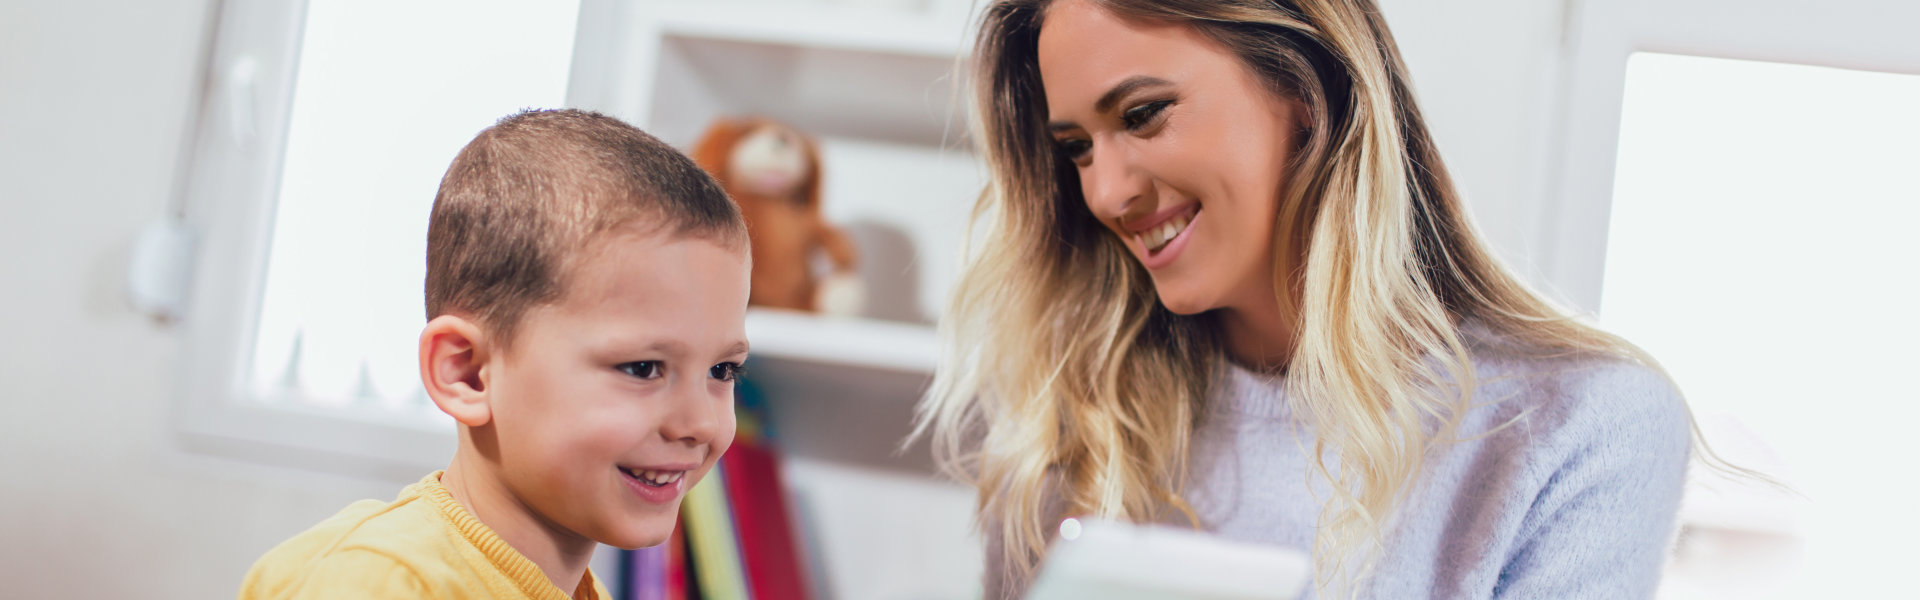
1181, 150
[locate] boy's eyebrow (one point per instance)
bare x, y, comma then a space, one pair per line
678, 348
669, 348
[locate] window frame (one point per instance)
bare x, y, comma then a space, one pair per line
1851, 34
237, 144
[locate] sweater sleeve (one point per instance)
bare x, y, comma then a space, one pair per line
1602, 524
997, 582
994, 581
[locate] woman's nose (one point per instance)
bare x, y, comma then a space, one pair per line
1113, 186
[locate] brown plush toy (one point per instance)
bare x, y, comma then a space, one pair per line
773, 172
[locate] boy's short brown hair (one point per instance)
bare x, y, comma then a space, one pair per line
528, 194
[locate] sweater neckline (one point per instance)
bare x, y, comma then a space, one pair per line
516, 566
1243, 391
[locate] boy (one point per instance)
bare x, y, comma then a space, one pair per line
586, 295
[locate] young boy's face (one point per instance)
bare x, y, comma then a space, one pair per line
615, 400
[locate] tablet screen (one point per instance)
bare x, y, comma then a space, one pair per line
1119, 561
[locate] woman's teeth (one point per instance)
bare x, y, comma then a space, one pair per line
655, 478
1157, 238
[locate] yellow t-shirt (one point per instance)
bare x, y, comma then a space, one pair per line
421, 545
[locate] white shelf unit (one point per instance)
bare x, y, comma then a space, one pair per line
870, 343
875, 82
927, 31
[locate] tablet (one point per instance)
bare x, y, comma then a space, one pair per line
1119, 561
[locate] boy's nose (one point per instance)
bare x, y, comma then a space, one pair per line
699, 418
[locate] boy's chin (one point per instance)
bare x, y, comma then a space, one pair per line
640, 535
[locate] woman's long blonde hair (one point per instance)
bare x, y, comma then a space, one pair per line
1063, 375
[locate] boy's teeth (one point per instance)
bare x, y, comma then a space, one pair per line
658, 477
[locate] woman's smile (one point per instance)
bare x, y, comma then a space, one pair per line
1159, 244
1152, 232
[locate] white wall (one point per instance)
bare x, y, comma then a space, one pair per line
1486, 75
97, 499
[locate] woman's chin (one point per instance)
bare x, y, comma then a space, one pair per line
1185, 305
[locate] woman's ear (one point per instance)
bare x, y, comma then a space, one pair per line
453, 350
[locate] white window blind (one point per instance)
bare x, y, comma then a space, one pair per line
386, 93
1762, 246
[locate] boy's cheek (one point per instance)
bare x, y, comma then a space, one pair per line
728, 430
724, 440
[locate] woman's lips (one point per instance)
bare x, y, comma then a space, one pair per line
1155, 230
1155, 239
1152, 221
1161, 246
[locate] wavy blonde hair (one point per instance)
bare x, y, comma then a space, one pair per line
1062, 375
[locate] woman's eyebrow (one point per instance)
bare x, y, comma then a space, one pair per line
1120, 90
1112, 97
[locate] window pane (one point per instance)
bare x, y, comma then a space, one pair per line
387, 93
1762, 246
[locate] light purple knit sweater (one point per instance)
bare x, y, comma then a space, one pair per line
1575, 499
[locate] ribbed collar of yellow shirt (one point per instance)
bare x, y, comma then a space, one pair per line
516, 566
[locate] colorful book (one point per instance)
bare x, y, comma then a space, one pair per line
766, 536
646, 573
753, 419
710, 537
679, 570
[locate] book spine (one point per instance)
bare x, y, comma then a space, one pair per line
646, 574
677, 571
716, 554
766, 536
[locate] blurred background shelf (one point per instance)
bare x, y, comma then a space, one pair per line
912, 28
842, 342
876, 84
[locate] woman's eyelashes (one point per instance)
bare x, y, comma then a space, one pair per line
1139, 120
1145, 115
1073, 148
641, 369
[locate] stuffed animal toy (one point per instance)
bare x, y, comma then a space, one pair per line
773, 172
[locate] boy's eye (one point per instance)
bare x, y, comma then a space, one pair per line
726, 371
1139, 117
643, 369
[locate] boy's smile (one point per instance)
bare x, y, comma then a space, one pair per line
617, 398
658, 484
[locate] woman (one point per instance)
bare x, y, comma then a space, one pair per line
1226, 282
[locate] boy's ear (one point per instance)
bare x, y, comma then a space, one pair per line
453, 351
